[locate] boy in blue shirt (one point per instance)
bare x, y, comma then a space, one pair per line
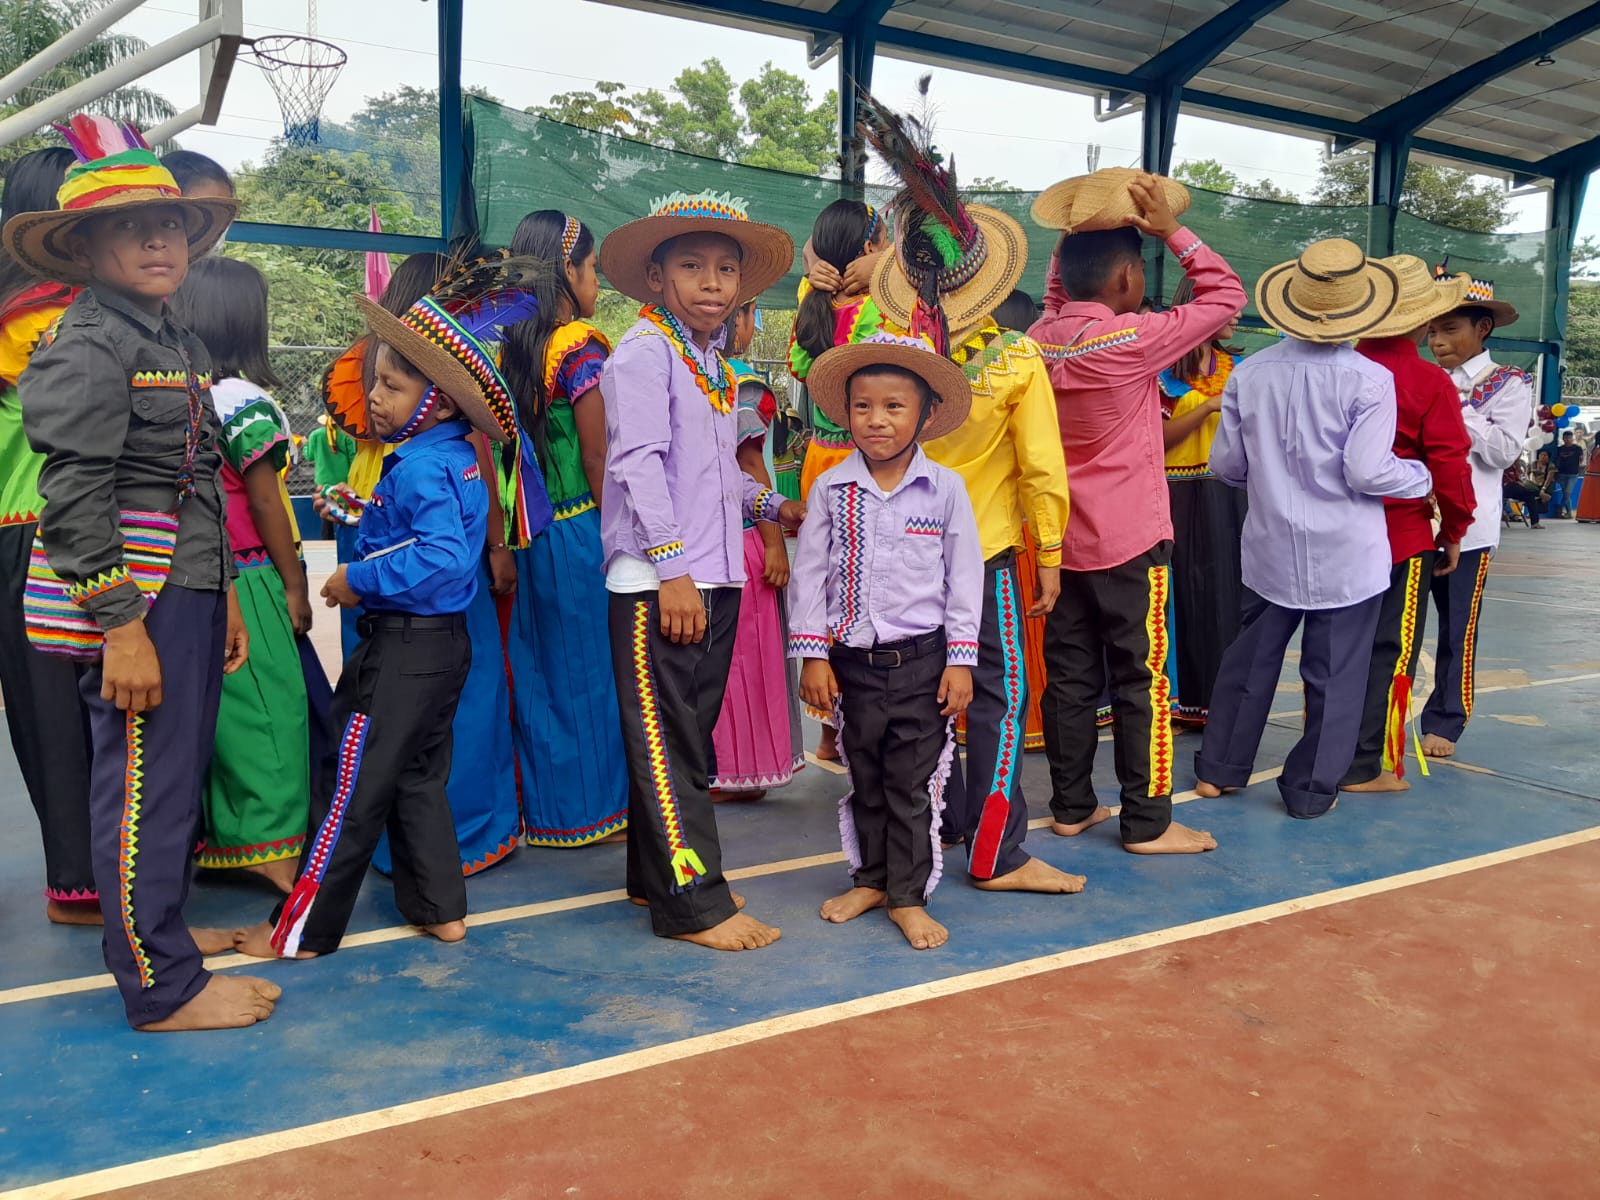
415, 573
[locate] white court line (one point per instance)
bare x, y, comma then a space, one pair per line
498, 916
247, 1149
1577, 612
1533, 683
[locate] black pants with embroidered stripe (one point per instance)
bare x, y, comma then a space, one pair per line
393, 710
893, 738
1458, 597
1396, 648
669, 697
1111, 627
144, 804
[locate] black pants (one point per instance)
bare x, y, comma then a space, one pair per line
669, 697
1396, 647
1334, 672
1111, 622
1532, 505
893, 737
49, 731
144, 804
1458, 596
394, 706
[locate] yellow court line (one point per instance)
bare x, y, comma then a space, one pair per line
247, 1149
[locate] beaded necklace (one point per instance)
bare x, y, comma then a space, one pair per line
1211, 385
718, 391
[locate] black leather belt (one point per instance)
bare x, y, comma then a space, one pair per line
887, 655
372, 622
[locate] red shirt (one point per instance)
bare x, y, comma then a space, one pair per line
1430, 430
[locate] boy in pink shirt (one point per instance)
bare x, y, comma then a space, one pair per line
1104, 358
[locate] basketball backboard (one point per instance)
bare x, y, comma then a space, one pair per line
217, 57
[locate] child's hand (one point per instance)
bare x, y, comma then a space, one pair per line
238, 646
1155, 214
299, 598
337, 591
955, 690
1213, 404
1449, 558
683, 613
818, 685
130, 672
502, 571
791, 513
1049, 592
777, 567
824, 276
858, 275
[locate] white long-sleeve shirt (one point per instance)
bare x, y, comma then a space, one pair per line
1498, 425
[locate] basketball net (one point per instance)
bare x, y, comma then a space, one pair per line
302, 71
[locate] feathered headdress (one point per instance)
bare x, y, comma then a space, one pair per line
93, 138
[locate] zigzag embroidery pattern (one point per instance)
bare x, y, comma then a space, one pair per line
768, 499
128, 844
98, 585
1494, 383
687, 869
662, 553
997, 806
925, 526
848, 518
577, 506
1155, 623
1394, 725
808, 645
1104, 342
1469, 641
961, 654
167, 379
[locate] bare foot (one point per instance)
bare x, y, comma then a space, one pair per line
852, 904
1435, 746
620, 835
74, 912
212, 941
279, 874
738, 932
738, 901
1206, 791
1178, 839
1062, 829
738, 797
828, 744
257, 942
1383, 781
447, 931
952, 845
1035, 875
226, 1002
921, 930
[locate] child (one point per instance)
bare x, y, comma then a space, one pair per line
1308, 427
564, 717
256, 792
757, 744
416, 574
131, 566
201, 177
1497, 405
46, 718
890, 571
674, 552
1105, 356
1428, 428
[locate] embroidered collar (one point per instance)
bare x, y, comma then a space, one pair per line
1211, 386
718, 391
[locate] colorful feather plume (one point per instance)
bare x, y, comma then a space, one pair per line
486, 294
929, 198
93, 137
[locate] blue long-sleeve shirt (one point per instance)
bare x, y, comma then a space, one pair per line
422, 533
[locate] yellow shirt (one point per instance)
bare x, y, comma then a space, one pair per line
366, 467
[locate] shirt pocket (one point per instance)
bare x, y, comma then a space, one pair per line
922, 545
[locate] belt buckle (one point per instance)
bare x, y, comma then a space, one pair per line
899, 658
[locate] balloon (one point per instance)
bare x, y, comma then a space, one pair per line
1544, 412
1574, 411
1558, 410
1548, 425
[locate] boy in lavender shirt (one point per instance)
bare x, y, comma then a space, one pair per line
890, 568
672, 528
1308, 428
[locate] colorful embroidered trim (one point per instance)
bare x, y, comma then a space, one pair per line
961, 654
604, 828
223, 857
767, 505
687, 869
720, 205
665, 553
128, 844
1200, 472
719, 391
925, 526
58, 623
808, 645
167, 379
758, 782
1188, 250
430, 398
1491, 385
575, 507
1104, 342
565, 342
990, 837
1469, 641
825, 439
425, 317
1155, 624
72, 895
247, 560
499, 854
99, 585
848, 518
1399, 710
569, 237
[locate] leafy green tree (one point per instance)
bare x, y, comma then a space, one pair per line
1442, 195
789, 133
607, 109
1583, 330
1210, 175
989, 183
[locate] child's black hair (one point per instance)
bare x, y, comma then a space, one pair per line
538, 235
223, 302
1089, 260
890, 371
838, 236
1017, 311
190, 168
1475, 314
412, 280
31, 184
659, 254
406, 366
733, 319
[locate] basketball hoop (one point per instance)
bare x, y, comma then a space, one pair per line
302, 71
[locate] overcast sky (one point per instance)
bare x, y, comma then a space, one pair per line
526, 52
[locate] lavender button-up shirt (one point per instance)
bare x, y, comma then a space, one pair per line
874, 568
674, 495
1309, 431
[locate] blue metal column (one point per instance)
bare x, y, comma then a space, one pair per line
1160, 133
452, 153
858, 49
1566, 205
1389, 158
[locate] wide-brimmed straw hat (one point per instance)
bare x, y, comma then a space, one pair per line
1099, 201
1331, 293
1480, 294
970, 289
1421, 297
768, 252
115, 172
828, 384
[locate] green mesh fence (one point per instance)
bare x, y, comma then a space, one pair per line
520, 163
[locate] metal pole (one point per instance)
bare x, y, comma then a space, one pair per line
65, 103
452, 151
1566, 205
173, 126
65, 47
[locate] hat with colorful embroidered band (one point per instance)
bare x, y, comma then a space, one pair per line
451, 336
767, 251
1421, 298
1480, 294
1331, 293
1100, 201
116, 171
828, 384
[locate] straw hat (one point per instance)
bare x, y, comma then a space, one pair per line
828, 384
625, 254
1100, 201
1331, 293
115, 172
1421, 298
1480, 294
970, 289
